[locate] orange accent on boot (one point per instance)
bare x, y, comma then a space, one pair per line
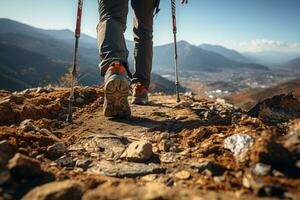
116, 68
139, 89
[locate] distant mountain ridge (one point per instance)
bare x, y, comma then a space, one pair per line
228, 53
293, 64
194, 58
11, 26
271, 58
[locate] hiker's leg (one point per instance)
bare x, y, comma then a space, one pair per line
143, 34
110, 32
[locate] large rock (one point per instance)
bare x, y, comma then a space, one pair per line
280, 108
292, 139
271, 153
139, 151
4, 175
239, 145
128, 169
108, 146
149, 191
66, 190
22, 166
6, 152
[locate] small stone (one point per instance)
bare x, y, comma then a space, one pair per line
174, 149
65, 190
169, 157
201, 182
149, 178
181, 117
6, 152
40, 157
139, 151
164, 146
261, 169
23, 166
219, 179
27, 125
57, 150
164, 136
45, 132
277, 173
189, 95
168, 181
183, 175
65, 161
40, 90
208, 167
84, 164
79, 100
246, 182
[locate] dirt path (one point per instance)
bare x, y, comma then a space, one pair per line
188, 156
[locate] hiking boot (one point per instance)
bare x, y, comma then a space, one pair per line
139, 94
116, 91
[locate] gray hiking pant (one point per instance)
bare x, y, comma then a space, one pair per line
111, 42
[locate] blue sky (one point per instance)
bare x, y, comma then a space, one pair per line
245, 25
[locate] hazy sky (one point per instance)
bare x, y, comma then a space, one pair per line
245, 25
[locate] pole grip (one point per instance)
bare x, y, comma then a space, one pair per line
79, 15
173, 5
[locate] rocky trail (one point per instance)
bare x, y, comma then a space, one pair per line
198, 149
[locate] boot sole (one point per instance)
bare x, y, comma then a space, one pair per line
116, 91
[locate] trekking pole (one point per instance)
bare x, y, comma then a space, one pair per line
173, 5
75, 61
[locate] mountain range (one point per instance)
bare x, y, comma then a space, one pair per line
293, 64
49, 54
271, 58
194, 58
228, 53
31, 57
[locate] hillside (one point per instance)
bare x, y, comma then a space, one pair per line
48, 54
21, 69
11, 26
195, 149
248, 99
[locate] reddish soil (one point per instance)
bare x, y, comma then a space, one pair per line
181, 135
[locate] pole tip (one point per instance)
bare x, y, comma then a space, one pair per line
178, 99
69, 118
